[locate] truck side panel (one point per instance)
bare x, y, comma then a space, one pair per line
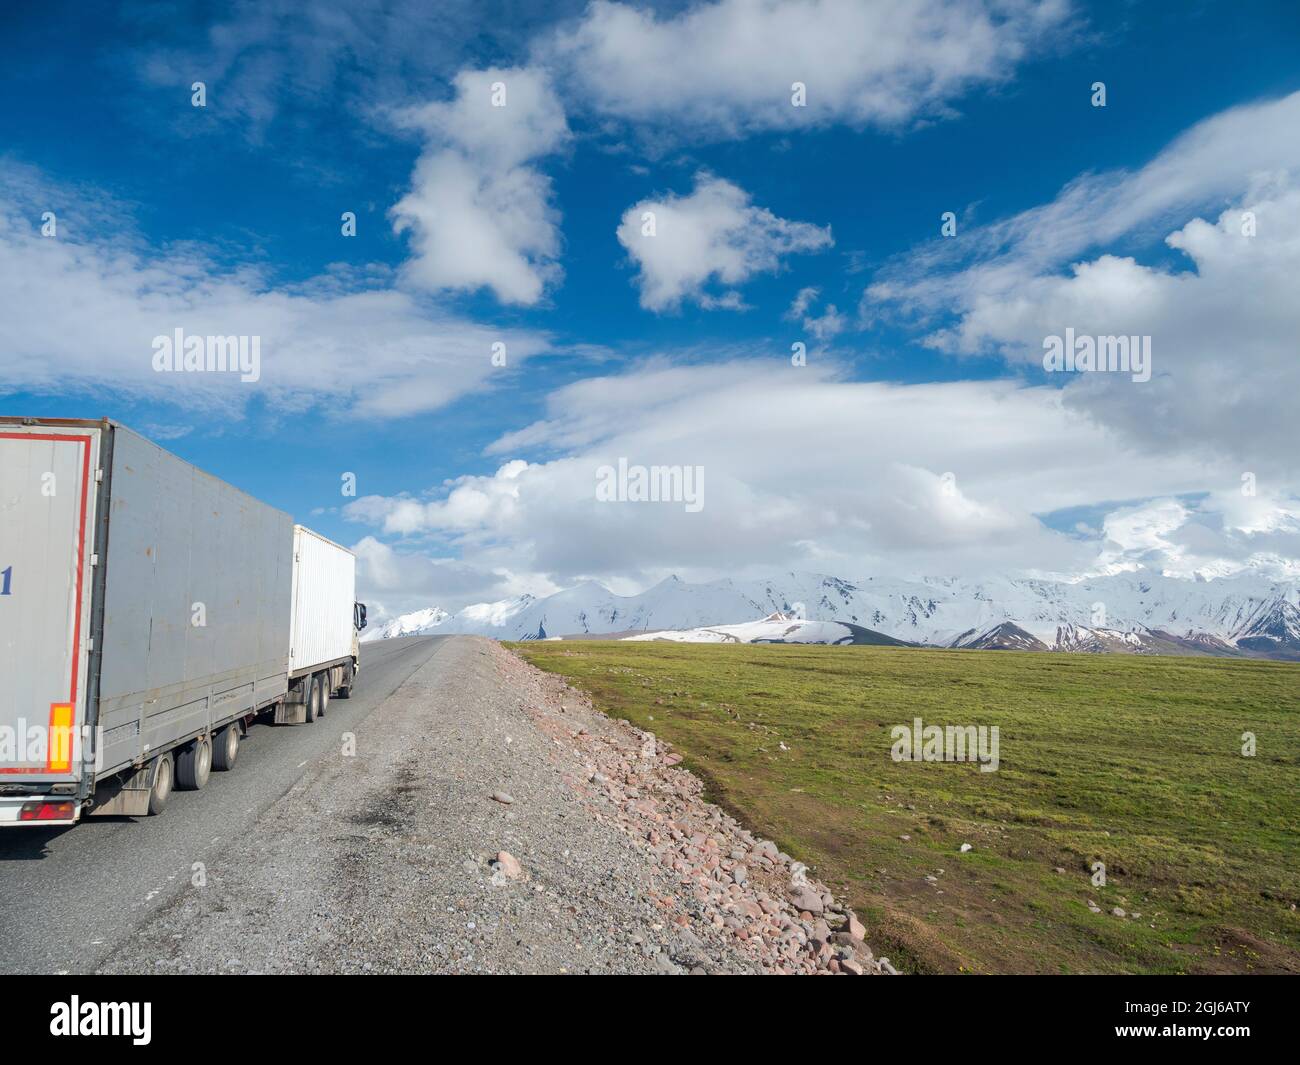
196, 602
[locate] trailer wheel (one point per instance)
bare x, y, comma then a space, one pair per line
194, 765
345, 689
161, 788
225, 749
313, 698
323, 679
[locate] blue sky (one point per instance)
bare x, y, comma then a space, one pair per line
228, 216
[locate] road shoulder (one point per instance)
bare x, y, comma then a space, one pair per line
386, 855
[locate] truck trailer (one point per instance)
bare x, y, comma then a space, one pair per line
324, 623
149, 612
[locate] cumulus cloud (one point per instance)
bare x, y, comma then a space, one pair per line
1223, 334
1221, 534
804, 469
727, 69
1223, 323
1217, 160
394, 580
471, 502
713, 236
79, 313
478, 215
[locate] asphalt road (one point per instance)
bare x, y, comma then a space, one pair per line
68, 896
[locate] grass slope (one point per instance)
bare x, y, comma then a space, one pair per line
1132, 761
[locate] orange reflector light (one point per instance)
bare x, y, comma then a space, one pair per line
58, 758
46, 811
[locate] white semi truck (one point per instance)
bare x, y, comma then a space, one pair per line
148, 614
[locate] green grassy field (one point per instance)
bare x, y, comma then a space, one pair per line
1134, 762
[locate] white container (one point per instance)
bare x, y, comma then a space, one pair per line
324, 591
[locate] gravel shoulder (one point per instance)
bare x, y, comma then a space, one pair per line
387, 855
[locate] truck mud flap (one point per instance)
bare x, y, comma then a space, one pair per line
292, 710
125, 796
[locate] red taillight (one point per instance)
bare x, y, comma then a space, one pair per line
46, 811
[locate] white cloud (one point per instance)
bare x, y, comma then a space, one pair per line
1224, 324
721, 68
715, 234
803, 299
726, 68
79, 314
1224, 335
830, 323
500, 117
393, 580
804, 470
1261, 514
479, 216
1205, 538
267, 62
1217, 160
471, 502
1135, 536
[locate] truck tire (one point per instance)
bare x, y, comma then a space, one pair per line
225, 748
194, 765
313, 698
345, 689
161, 788
323, 679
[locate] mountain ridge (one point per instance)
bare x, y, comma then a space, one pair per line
1127, 613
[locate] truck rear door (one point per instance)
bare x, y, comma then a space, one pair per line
47, 521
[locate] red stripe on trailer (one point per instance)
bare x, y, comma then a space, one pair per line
84, 442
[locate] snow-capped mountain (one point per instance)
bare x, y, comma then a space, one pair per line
412, 624
1167, 615
775, 628
1277, 625
1006, 636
